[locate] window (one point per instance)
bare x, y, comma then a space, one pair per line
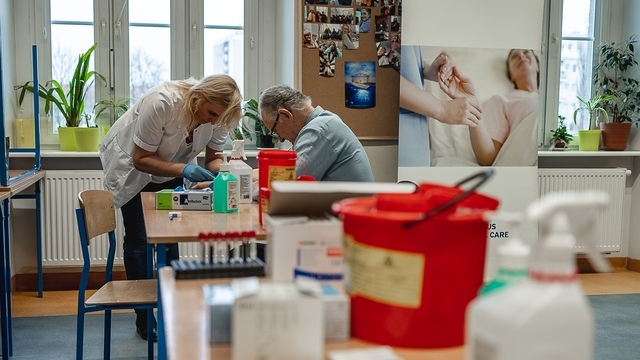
578, 36
582, 24
140, 44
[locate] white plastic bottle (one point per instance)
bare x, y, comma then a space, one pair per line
513, 256
242, 171
225, 190
547, 315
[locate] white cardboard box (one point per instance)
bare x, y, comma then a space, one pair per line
279, 322
303, 238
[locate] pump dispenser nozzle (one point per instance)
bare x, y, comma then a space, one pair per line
237, 150
225, 165
567, 218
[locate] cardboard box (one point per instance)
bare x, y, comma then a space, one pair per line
337, 313
277, 322
219, 300
304, 246
168, 199
303, 238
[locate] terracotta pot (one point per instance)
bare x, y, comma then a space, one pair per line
615, 136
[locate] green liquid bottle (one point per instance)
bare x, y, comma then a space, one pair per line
226, 190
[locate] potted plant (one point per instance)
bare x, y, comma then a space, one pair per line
560, 137
68, 98
589, 139
613, 76
115, 108
263, 139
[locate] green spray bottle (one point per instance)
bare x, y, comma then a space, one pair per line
226, 196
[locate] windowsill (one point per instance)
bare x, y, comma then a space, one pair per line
254, 153
90, 154
577, 153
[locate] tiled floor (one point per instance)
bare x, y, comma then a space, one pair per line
65, 302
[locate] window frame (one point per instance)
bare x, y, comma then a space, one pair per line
605, 31
113, 51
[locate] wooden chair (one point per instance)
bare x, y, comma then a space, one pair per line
96, 216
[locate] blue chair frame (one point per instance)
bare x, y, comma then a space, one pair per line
96, 216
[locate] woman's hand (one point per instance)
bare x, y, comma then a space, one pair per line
442, 65
460, 112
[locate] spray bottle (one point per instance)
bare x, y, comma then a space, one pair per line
513, 255
547, 315
225, 190
242, 171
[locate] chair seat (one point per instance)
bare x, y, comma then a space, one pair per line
124, 292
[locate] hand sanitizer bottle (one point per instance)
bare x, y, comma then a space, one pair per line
546, 316
242, 171
513, 255
225, 190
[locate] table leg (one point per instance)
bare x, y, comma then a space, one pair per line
5, 299
39, 239
161, 255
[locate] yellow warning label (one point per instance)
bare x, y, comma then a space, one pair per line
287, 173
387, 276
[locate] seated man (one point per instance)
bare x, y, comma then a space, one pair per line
327, 149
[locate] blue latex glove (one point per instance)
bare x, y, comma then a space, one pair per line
196, 173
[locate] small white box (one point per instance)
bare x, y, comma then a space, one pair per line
219, 301
168, 199
302, 246
337, 313
279, 322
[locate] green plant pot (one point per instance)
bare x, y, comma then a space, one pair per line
589, 140
87, 139
67, 137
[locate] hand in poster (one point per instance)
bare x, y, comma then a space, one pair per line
456, 85
441, 65
460, 111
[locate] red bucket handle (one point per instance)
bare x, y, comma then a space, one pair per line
482, 177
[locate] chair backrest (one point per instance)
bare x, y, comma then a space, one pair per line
99, 212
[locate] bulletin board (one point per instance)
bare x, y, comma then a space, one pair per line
359, 77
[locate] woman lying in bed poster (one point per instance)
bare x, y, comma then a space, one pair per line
506, 134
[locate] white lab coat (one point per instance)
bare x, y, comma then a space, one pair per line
155, 123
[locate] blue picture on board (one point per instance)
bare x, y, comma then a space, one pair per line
360, 84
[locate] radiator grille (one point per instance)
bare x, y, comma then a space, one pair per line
61, 242
613, 181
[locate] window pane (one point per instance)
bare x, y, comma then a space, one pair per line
224, 39
72, 10
150, 60
578, 17
224, 12
575, 80
576, 66
71, 35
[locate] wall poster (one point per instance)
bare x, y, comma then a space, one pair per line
469, 98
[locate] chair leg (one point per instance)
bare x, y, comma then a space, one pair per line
107, 334
150, 333
80, 335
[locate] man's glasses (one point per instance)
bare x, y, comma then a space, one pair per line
273, 128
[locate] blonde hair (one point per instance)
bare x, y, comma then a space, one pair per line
220, 90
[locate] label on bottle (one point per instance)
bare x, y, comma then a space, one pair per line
287, 173
387, 276
232, 195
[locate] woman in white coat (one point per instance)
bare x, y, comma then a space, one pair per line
154, 146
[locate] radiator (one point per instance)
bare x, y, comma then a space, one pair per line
613, 181
61, 242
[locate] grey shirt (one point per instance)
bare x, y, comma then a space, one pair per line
329, 151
